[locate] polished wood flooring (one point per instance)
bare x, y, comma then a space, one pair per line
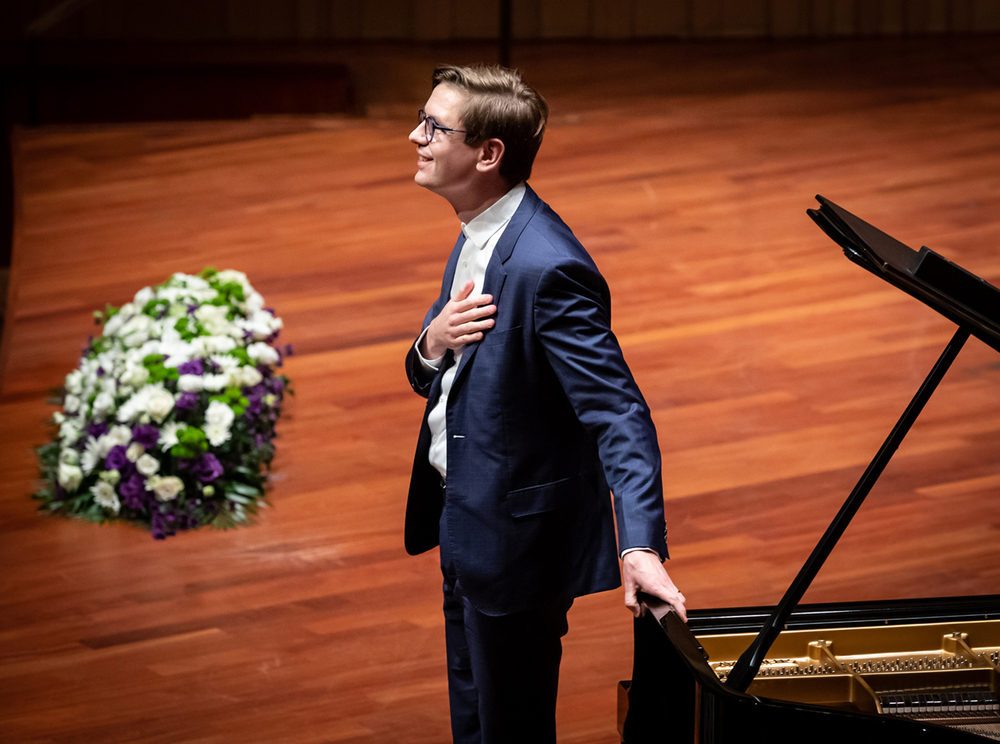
774, 368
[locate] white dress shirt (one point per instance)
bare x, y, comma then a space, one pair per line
482, 234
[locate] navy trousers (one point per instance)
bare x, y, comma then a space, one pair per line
503, 671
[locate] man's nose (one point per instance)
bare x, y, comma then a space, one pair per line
417, 136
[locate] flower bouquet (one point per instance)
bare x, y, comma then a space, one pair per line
169, 418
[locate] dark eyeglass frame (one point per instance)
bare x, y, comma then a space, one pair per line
431, 125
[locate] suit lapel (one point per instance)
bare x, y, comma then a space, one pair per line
449, 270
496, 274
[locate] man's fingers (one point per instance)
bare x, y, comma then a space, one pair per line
464, 291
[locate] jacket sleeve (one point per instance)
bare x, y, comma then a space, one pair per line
572, 318
419, 376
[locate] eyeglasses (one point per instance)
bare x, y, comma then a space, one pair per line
431, 126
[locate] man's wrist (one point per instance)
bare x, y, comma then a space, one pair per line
432, 364
643, 549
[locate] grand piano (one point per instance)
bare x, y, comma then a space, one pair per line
923, 670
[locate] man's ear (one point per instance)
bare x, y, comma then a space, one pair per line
490, 155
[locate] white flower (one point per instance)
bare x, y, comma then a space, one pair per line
165, 487
213, 318
110, 476
232, 275
263, 353
143, 296
168, 434
218, 418
91, 455
160, 403
260, 324
217, 434
69, 476
134, 451
104, 404
69, 431
137, 324
118, 435
135, 375
249, 376
225, 362
190, 383
205, 346
74, 382
254, 302
147, 464
214, 383
114, 323
104, 494
68, 456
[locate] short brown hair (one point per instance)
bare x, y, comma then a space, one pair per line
500, 106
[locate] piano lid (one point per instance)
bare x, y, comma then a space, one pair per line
959, 295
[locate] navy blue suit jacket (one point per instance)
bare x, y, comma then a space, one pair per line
543, 415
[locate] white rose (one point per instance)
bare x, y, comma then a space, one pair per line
69, 476
134, 451
68, 456
190, 383
219, 413
250, 376
71, 404
74, 382
104, 404
118, 435
264, 353
254, 302
138, 323
205, 346
143, 296
159, 404
214, 383
104, 494
110, 476
69, 431
147, 464
135, 375
165, 488
213, 318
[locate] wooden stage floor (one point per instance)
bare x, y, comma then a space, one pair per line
774, 368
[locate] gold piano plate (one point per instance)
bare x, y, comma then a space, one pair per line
927, 672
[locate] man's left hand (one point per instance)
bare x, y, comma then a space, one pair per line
642, 570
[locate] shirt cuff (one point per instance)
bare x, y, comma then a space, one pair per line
431, 365
648, 550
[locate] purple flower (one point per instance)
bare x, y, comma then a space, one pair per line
194, 367
97, 429
187, 402
146, 434
116, 459
133, 491
208, 468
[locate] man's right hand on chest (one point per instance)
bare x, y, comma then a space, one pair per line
461, 321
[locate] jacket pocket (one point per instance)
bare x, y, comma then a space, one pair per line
546, 497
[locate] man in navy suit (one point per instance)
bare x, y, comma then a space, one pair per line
533, 419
